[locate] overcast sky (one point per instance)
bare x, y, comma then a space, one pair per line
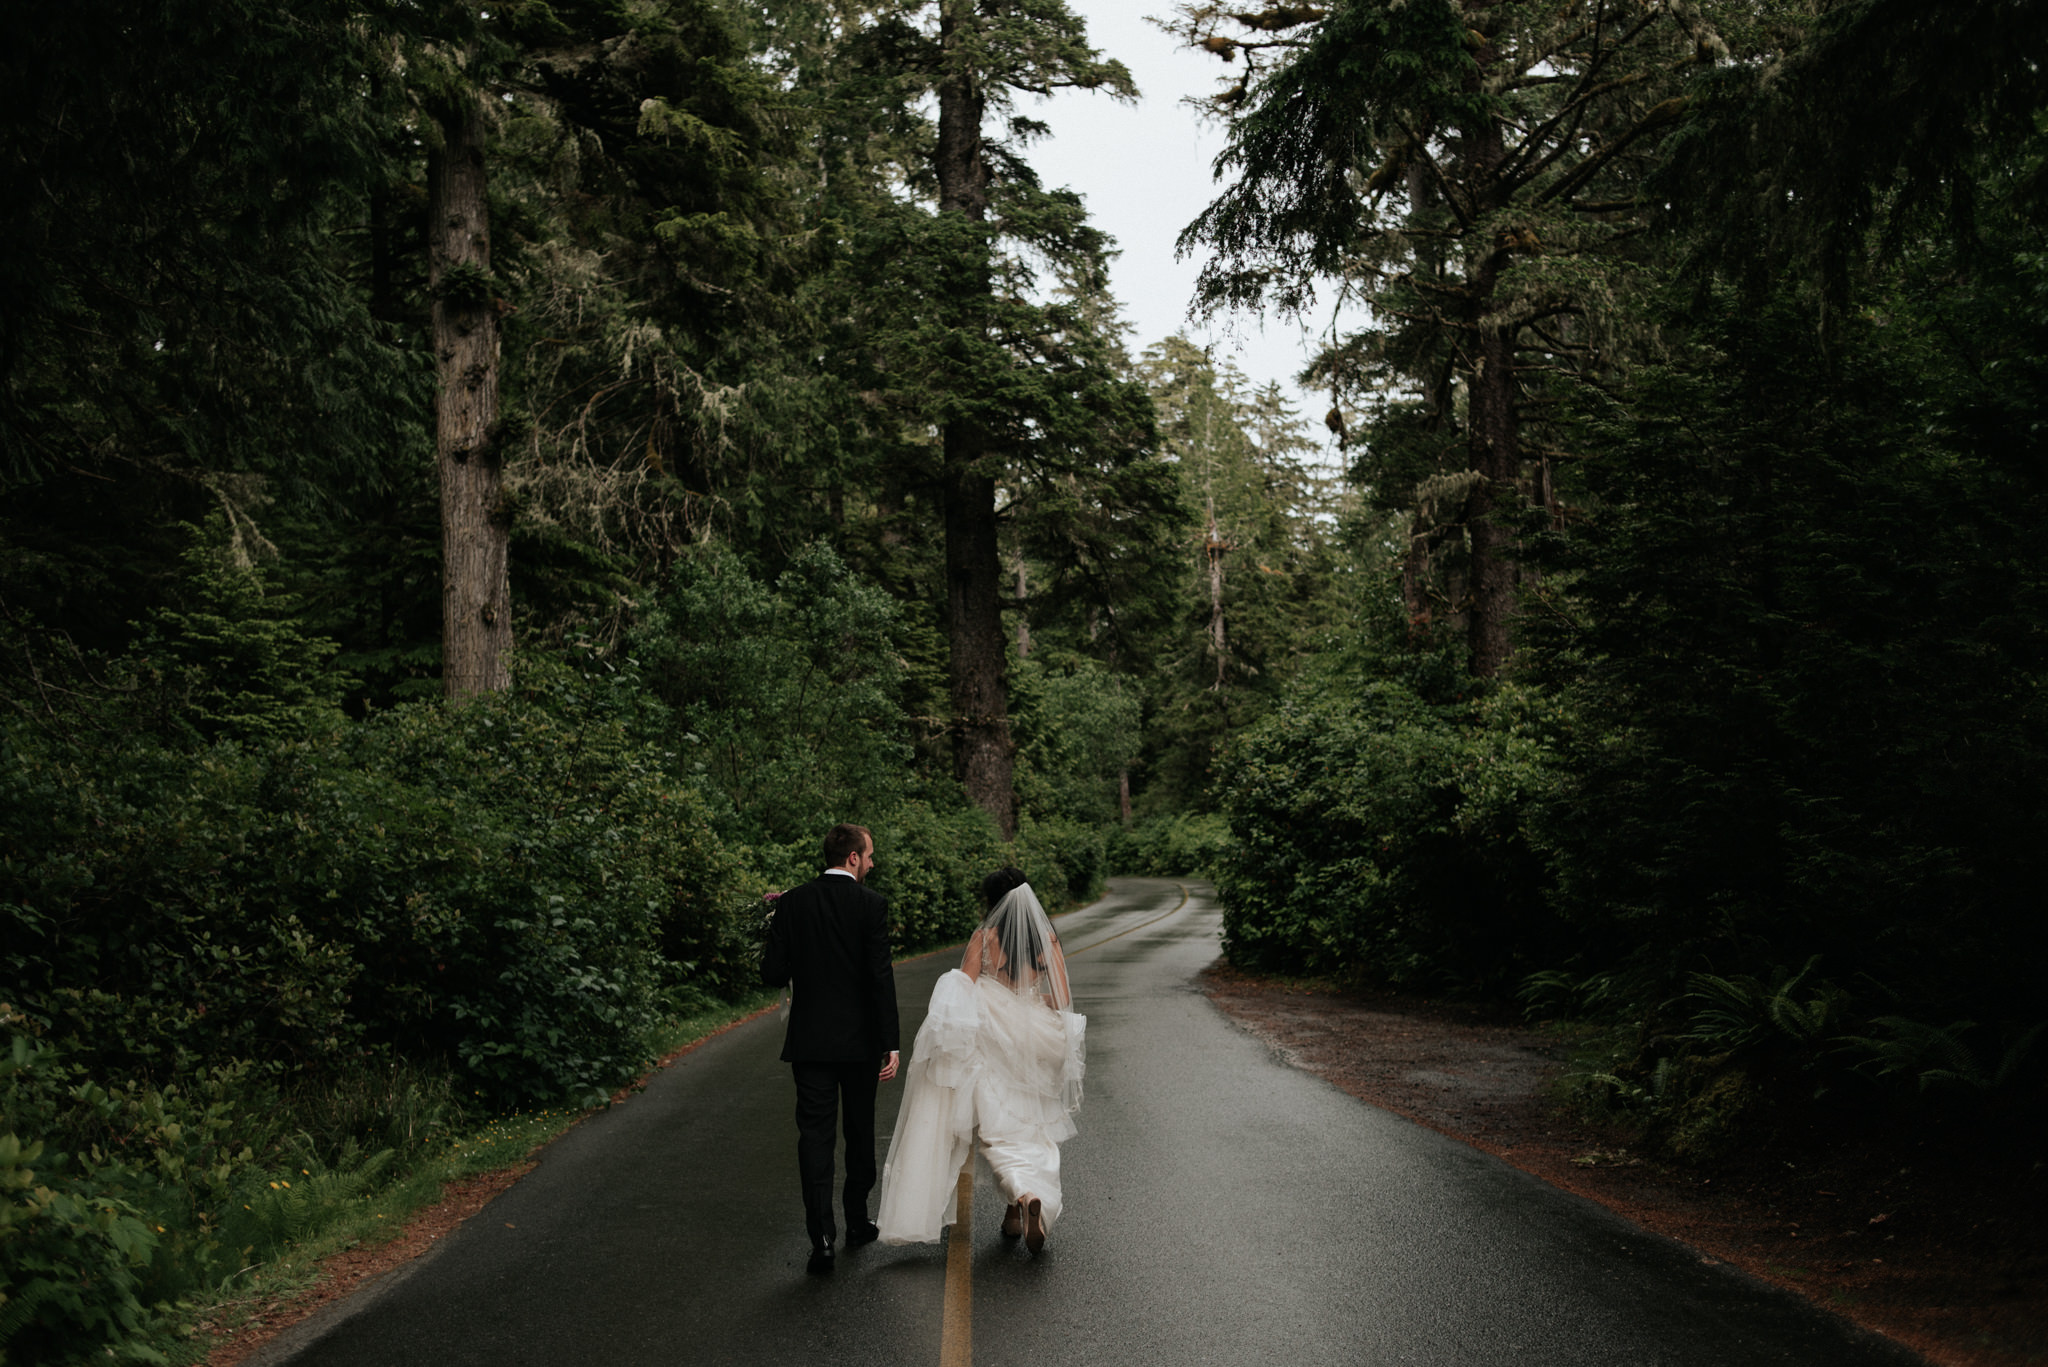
1144, 171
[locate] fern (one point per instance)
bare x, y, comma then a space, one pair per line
1932, 1055
2009, 1063
288, 1210
1657, 1089
1661, 1078
1744, 1012
16, 1310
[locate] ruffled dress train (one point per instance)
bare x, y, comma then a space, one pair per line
993, 1068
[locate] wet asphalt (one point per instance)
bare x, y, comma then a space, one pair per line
1221, 1208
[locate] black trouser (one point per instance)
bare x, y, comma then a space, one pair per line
820, 1090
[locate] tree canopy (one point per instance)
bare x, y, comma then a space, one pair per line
482, 490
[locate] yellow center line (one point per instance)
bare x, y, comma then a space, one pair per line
956, 1322
1136, 928
956, 1334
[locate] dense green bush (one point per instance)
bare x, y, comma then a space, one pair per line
120, 1200
251, 970
1075, 725
229, 659
73, 1254
1066, 860
1376, 833
1186, 844
784, 696
785, 699
930, 860
116, 1201
71, 1264
508, 885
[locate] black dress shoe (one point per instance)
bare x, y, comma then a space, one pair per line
858, 1235
821, 1260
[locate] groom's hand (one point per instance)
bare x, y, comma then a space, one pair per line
888, 1067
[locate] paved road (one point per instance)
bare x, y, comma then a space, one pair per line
1221, 1208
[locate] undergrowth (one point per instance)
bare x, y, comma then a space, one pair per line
503, 1141
151, 1220
1729, 1059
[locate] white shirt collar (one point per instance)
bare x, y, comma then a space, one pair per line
843, 873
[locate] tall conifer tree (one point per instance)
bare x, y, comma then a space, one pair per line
970, 328
664, 133
476, 527
1469, 173
988, 50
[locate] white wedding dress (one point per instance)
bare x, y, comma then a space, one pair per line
998, 1063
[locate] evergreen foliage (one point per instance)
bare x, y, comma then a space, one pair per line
1261, 572
229, 660
1801, 586
495, 886
1670, 653
1775, 696
1852, 119
1382, 832
786, 697
1469, 176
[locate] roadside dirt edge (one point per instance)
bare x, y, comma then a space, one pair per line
1960, 1289
342, 1274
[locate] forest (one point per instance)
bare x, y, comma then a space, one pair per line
482, 490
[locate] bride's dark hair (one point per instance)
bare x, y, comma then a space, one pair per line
1029, 946
999, 885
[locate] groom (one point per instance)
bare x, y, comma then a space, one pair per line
829, 942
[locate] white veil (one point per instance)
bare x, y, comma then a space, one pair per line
1020, 950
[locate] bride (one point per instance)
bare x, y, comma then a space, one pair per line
997, 1062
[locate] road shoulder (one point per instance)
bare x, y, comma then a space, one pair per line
1479, 1076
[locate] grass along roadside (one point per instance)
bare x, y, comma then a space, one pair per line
362, 1238
351, 1240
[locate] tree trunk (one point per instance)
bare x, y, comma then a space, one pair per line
1214, 548
1494, 431
1414, 576
1496, 456
974, 617
1023, 609
476, 596
963, 175
981, 724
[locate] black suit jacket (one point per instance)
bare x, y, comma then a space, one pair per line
829, 943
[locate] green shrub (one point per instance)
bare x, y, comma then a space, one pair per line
230, 660
1066, 860
1375, 834
929, 863
1184, 845
930, 859
71, 1261
784, 696
508, 885
121, 1200
98, 1193
1075, 726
